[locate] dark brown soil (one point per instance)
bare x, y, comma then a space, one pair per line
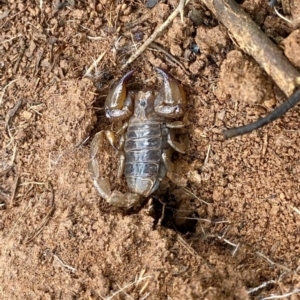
60, 240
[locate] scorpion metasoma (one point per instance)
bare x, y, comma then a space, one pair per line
147, 138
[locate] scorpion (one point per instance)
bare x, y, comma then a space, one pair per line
147, 138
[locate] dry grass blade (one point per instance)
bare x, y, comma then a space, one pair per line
295, 291
94, 64
295, 209
3, 91
122, 290
186, 246
271, 262
192, 194
45, 220
72, 269
261, 286
15, 187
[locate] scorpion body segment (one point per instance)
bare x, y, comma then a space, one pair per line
147, 138
145, 141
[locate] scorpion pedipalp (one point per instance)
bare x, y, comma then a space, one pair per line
171, 100
119, 103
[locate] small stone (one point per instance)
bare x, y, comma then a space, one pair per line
27, 115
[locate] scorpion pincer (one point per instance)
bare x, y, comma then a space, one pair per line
147, 138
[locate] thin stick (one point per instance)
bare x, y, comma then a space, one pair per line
94, 64
207, 154
271, 262
253, 41
162, 213
46, 219
21, 54
126, 286
63, 264
295, 291
157, 32
157, 47
187, 246
3, 91
13, 156
295, 209
192, 194
95, 38
264, 284
38, 60
32, 182
11, 39
198, 219
14, 190
12, 113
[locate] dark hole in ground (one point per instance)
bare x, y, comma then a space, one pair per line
165, 211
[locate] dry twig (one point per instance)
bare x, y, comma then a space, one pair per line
45, 220
157, 32
121, 290
271, 262
15, 187
293, 292
261, 286
94, 65
159, 48
254, 42
297, 210
3, 91
72, 269
192, 194
184, 243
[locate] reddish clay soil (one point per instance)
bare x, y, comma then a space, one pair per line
236, 236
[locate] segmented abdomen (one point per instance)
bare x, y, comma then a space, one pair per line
144, 168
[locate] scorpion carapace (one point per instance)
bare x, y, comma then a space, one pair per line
147, 138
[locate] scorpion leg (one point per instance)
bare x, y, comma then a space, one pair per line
178, 146
111, 137
179, 124
102, 185
166, 157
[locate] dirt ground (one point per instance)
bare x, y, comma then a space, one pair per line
231, 227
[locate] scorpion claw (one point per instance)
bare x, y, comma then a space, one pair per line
171, 100
118, 104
